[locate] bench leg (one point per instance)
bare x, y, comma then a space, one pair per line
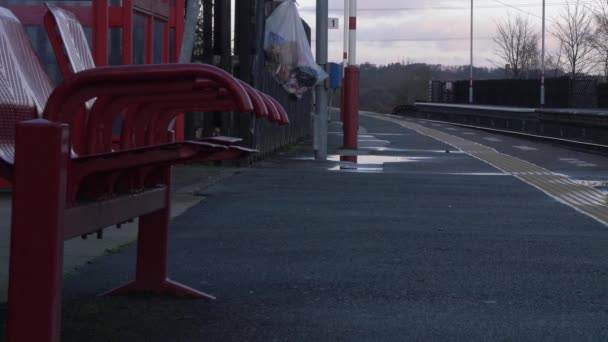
36, 251
152, 258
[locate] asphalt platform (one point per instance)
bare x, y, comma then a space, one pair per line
418, 242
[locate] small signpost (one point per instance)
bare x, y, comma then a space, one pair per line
334, 23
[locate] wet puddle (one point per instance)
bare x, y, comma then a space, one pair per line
356, 168
367, 163
393, 149
377, 160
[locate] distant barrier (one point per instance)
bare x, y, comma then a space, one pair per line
561, 92
589, 126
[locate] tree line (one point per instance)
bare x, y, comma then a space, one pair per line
582, 34
386, 86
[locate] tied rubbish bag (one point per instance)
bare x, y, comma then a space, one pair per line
288, 54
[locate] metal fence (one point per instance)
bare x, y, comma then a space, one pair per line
560, 92
245, 59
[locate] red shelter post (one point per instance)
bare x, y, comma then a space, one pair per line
127, 31
101, 24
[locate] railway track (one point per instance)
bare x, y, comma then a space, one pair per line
582, 146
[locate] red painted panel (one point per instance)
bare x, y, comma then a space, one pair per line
116, 16
32, 15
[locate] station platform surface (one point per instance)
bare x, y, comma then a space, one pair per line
419, 241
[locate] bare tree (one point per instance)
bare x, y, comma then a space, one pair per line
599, 40
574, 31
517, 45
554, 61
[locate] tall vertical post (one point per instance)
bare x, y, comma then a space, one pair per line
101, 26
344, 56
346, 29
471, 65
208, 31
351, 84
321, 89
127, 32
244, 36
222, 46
542, 62
224, 7
179, 7
352, 33
149, 40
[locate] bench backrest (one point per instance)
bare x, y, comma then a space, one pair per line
71, 40
37, 82
24, 84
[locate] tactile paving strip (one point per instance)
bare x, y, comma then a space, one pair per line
582, 198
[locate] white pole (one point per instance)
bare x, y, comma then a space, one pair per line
542, 62
471, 68
352, 34
346, 28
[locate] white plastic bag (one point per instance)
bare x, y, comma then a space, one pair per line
288, 54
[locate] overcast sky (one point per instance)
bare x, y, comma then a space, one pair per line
430, 31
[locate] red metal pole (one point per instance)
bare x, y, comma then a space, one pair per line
36, 252
351, 107
101, 23
180, 11
149, 42
342, 98
166, 43
127, 32
351, 88
166, 33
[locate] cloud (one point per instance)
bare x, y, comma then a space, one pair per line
428, 34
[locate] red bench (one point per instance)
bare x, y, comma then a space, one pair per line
73, 55
69, 180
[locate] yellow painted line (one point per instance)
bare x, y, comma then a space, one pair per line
585, 199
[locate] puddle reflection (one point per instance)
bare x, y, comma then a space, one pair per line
362, 163
355, 168
393, 149
376, 160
